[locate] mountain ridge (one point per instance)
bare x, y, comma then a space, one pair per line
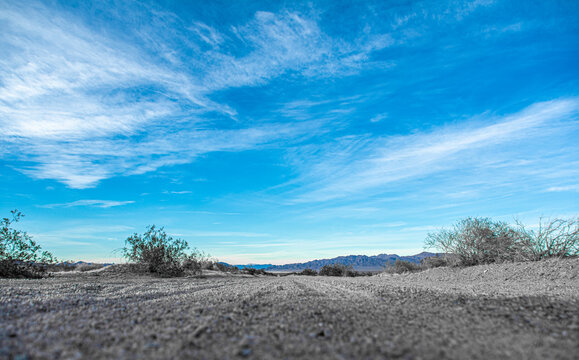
358, 262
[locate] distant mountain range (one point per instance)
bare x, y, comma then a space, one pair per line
253, 266
358, 262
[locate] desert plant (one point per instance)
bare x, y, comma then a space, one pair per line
555, 238
479, 241
434, 262
225, 267
20, 256
209, 265
336, 269
253, 271
196, 261
475, 241
308, 272
402, 266
162, 254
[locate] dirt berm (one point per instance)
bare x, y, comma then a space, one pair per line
508, 311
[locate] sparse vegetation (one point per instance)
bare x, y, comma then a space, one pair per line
434, 262
556, 238
88, 267
161, 253
478, 241
336, 270
401, 266
196, 261
308, 272
20, 255
223, 267
474, 241
252, 271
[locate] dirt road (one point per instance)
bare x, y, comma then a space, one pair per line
100, 316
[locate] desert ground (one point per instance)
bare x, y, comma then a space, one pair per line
514, 311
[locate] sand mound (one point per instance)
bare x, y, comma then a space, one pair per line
551, 276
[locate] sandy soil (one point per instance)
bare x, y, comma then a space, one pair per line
515, 311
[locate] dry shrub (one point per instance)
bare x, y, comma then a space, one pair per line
337, 270
196, 261
402, 266
18, 269
308, 272
434, 262
223, 267
474, 241
478, 241
556, 238
252, 271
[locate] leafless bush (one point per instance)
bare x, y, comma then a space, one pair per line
479, 241
475, 241
555, 238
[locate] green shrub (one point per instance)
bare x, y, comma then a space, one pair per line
476, 241
161, 253
20, 256
337, 270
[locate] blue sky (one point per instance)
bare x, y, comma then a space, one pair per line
274, 132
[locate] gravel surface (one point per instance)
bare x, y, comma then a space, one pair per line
441, 313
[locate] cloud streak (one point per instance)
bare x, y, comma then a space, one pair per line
79, 106
574, 188
357, 165
91, 203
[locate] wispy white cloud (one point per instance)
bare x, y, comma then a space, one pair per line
91, 203
379, 117
79, 105
356, 165
221, 234
289, 42
564, 188
207, 33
